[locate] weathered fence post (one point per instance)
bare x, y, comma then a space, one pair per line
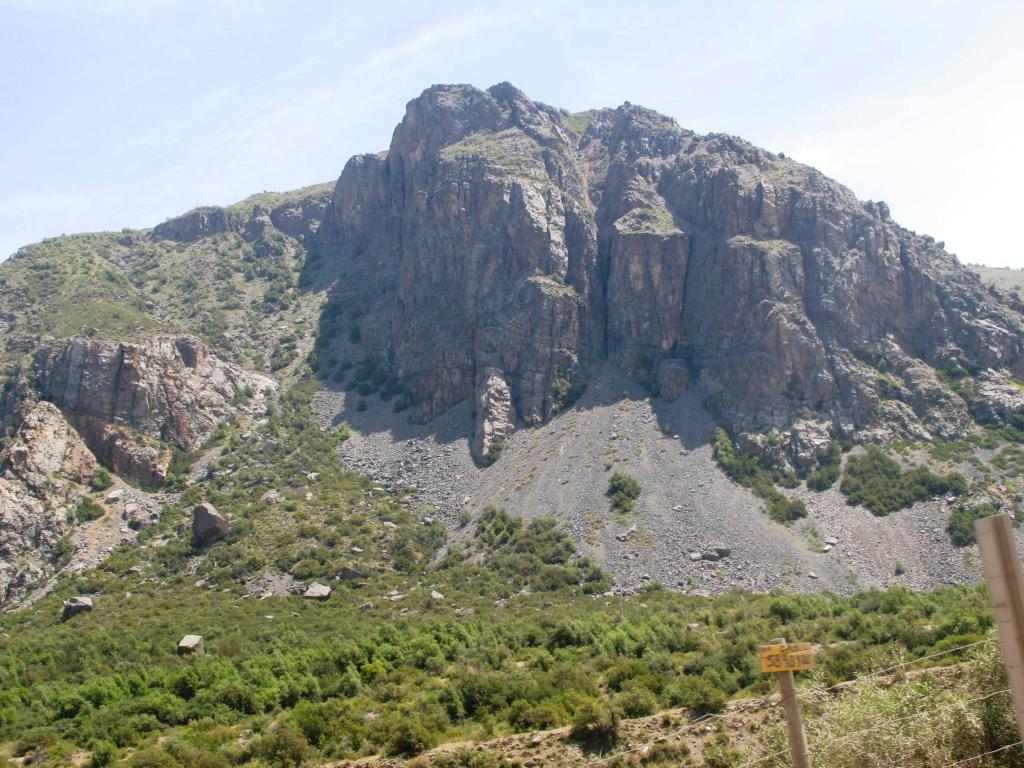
1002, 569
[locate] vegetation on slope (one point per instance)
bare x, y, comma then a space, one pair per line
623, 490
502, 633
877, 481
750, 472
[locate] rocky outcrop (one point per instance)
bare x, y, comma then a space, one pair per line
42, 472
998, 400
495, 418
197, 223
300, 218
126, 452
125, 396
492, 235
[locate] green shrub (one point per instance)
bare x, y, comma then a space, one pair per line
408, 737
284, 748
102, 480
824, 476
961, 522
877, 482
104, 753
623, 490
595, 725
88, 510
494, 451
636, 701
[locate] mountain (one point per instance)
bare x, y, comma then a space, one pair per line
509, 306
500, 249
528, 425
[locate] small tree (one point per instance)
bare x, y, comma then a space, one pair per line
623, 490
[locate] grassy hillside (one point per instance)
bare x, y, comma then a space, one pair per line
240, 293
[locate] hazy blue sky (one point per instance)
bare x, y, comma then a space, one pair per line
124, 112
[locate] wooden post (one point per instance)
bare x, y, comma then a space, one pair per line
794, 720
998, 547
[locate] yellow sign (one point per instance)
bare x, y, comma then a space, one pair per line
786, 658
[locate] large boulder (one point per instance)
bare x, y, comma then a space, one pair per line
208, 524
76, 605
495, 417
191, 645
317, 591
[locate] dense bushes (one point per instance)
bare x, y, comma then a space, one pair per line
538, 555
961, 522
824, 476
623, 490
88, 510
747, 470
510, 630
877, 481
438, 671
101, 480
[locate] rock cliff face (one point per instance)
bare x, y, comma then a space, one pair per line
501, 241
124, 397
42, 471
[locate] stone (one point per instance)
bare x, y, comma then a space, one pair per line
45, 467
165, 388
673, 378
197, 223
208, 524
626, 534
495, 417
317, 591
114, 496
831, 540
435, 595
76, 605
191, 645
695, 556
348, 573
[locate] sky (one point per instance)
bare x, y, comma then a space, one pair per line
123, 113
